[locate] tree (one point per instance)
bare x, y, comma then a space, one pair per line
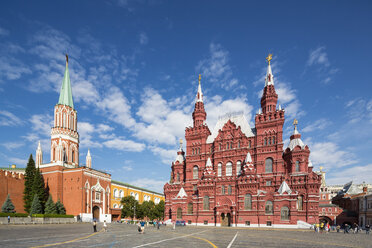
129, 204
60, 208
50, 207
159, 210
29, 180
147, 209
8, 206
36, 207
38, 187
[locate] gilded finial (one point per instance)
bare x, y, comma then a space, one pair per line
199, 78
181, 142
295, 122
66, 59
321, 168
269, 58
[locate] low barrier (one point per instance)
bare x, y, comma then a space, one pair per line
36, 220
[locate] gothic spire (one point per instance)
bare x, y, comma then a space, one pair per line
65, 97
199, 95
269, 79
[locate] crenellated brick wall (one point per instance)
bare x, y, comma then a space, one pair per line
12, 183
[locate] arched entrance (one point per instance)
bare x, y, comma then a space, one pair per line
325, 219
225, 219
96, 213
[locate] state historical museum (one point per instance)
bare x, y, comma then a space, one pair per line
241, 176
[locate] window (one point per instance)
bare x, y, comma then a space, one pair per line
136, 196
299, 203
72, 156
268, 183
199, 150
219, 169
98, 196
269, 141
227, 146
189, 222
248, 202
265, 142
268, 223
220, 147
195, 172
269, 207
238, 167
121, 193
178, 176
189, 208
115, 205
247, 223
223, 190
195, 188
229, 189
284, 213
115, 193
229, 169
297, 166
179, 213
239, 144
205, 222
206, 203
274, 140
249, 144
269, 165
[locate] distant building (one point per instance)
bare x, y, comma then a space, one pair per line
241, 176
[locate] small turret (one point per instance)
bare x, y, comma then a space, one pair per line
39, 156
88, 160
199, 115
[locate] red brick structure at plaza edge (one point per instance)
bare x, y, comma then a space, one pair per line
240, 176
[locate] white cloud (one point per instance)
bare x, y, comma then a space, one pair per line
167, 156
215, 67
127, 168
125, 145
317, 125
150, 184
359, 109
13, 145
18, 161
357, 174
12, 69
143, 39
9, 119
318, 56
329, 155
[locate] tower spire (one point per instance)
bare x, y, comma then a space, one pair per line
39, 155
65, 97
199, 95
269, 79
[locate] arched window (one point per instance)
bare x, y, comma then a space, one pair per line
121, 193
219, 169
206, 203
269, 207
248, 202
265, 143
179, 213
299, 203
238, 167
227, 146
249, 144
269, 165
72, 156
284, 213
178, 176
297, 166
115, 205
269, 141
229, 189
220, 147
195, 172
136, 196
115, 193
229, 169
239, 144
223, 190
274, 140
192, 151
189, 208
199, 150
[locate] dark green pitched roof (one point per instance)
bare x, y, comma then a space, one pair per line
65, 97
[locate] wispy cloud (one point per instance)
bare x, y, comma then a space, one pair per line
3, 31
216, 69
143, 38
124, 145
316, 125
357, 174
13, 145
151, 184
318, 58
359, 109
9, 119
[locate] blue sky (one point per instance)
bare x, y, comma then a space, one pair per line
134, 67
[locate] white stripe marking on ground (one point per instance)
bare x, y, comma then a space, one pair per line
232, 241
160, 241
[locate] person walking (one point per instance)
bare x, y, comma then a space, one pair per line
158, 224
8, 219
104, 226
94, 225
142, 227
338, 228
368, 229
346, 228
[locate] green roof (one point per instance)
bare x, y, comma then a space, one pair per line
65, 97
12, 169
135, 187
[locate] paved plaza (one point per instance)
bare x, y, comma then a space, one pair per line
123, 235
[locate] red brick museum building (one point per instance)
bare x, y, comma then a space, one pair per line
236, 175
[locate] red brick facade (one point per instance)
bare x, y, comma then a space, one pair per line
12, 183
240, 176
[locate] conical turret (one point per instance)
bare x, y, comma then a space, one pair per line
65, 97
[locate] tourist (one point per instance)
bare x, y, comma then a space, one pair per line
338, 228
142, 226
8, 219
346, 228
367, 229
105, 226
94, 225
356, 228
174, 225
158, 224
